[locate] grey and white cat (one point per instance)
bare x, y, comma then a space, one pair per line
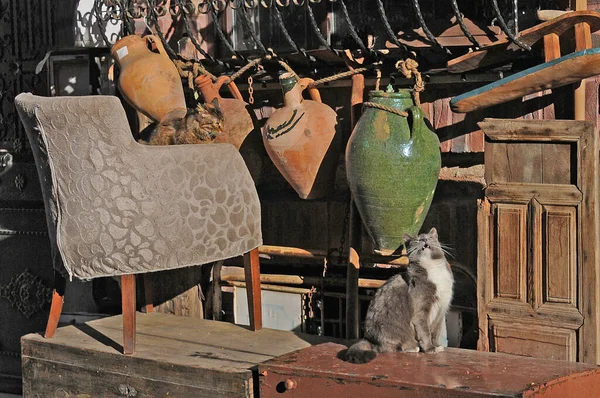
408, 311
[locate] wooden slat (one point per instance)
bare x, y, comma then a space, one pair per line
571, 68
545, 193
538, 341
129, 309
484, 277
172, 351
588, 234
252, 272
58, 298
541, 130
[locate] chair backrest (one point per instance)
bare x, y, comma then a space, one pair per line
116, 207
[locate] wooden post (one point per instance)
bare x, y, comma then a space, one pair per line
58, 298
217, 292
148, 298
583, 40
354, 221
252, 273
128, 306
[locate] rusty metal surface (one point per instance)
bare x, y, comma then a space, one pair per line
318, 372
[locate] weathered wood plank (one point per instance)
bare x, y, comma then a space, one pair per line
49, 378
542, 130
202, 354
545, 193
318, 371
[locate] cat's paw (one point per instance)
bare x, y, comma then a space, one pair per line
434, 349
415, 349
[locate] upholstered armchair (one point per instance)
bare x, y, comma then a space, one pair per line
115, 207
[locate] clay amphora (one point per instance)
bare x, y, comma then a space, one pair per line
299, 139
392, 165
239, 125
238, 122
149, 81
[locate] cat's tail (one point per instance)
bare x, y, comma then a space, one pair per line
361, 352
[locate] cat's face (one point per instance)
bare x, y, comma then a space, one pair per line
424, 247
212, 117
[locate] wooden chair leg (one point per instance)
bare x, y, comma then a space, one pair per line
148, 305
58, 298
252, 272
128, 305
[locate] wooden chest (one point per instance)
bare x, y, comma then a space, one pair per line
175, 357
318, 372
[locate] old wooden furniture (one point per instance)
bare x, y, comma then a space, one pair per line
175, 357
538, 240
318, 372
118, 208
559, 72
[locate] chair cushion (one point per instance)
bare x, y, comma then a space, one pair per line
117, 207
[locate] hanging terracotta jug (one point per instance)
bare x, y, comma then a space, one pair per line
149, 81
392, 165
300, 139
238, 122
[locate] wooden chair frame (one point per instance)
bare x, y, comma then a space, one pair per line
128, 301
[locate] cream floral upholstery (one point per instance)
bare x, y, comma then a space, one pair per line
117, 207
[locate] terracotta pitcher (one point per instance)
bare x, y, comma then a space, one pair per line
392, 164
149, 81
238, 122
300, 139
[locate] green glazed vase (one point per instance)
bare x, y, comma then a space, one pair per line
392, 165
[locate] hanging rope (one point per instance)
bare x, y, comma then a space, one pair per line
337, 77
428, 33
461, 23
351, 27
387, 26
190, 70
505, 29
409, 68
385, 108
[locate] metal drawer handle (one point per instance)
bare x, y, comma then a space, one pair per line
290, 384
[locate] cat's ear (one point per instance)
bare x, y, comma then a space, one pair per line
433, 233
407, 238
216, 108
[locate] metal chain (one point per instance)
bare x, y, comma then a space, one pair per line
310, 294
250, 90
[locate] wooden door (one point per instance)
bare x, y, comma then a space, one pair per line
538, 240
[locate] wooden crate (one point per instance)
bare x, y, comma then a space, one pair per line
318, 372
175, 356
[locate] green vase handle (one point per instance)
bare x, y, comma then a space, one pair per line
417, 121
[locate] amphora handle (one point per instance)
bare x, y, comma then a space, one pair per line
312, 91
